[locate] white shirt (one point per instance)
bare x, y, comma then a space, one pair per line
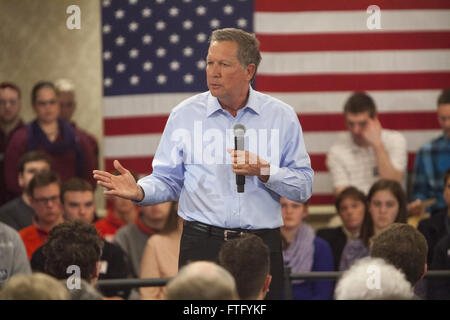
352, 165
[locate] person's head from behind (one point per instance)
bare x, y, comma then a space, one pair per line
293, 213
351, 205
73, 243
358, 109
30, 164
85, 291
9, 103
161, 217
231, 64
247, 258
125, 209
77, 197
65, 91
45, 102
45, 191
35, 286
446, 193
444, 111
387, 204
202, 280
373, 279
405, 248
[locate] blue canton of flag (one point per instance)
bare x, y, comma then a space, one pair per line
160, 46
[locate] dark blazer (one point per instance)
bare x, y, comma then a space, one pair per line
434, 229
336, 239
439, 288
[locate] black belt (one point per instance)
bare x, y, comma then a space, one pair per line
223, 233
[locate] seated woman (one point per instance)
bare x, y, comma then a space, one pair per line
351, 205
304, 252
386, 205
160, 257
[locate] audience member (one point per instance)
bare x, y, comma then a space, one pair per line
10, 122
77, 197
73, 243
437, 225
351, 205
44, 190
439, 288
65, 91
367, 152
304, 252
13, 256
431, 163
386, 205
160, 258
133, 237
69, 152
247, 258
86, 291
123, 212
17, 213
202, 280
405, 248
373, 279
35, 286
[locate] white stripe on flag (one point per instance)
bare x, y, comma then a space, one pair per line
354, 62
349, 21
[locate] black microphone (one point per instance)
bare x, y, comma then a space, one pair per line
239, 132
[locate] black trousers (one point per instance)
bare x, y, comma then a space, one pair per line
198, 245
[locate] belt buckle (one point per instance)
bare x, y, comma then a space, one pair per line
225, 233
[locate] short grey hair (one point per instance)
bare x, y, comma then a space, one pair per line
354, 283
202, 280
248, 45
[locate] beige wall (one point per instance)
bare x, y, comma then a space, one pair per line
35, 44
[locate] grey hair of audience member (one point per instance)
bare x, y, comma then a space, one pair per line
34, 286
202, 280
373, 279
85, 292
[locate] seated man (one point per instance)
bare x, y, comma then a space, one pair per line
202, 280
367, 152
437, 226
365, 279
17, 213
247, 259
439, 288
44, 190
77, 197
406, 249
13, 256
10, 122
432, 161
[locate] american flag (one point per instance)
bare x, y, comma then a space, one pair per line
315, 54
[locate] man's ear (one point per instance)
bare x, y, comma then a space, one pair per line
266, 285
251, 69
21, 180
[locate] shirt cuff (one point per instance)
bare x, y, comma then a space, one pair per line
275, 176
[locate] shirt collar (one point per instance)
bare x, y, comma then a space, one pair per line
213, 104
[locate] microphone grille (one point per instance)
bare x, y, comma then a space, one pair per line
239, 129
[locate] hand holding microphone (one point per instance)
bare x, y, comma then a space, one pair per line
245, 163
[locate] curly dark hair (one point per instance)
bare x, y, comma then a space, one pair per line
72, 243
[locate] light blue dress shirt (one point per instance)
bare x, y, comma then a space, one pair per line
191, 164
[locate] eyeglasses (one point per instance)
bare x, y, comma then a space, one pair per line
12, 102
53, 199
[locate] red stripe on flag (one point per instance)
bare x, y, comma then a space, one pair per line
323, 5
139, 165
352, 82
398, 121
354, 41
310, 123
134, 125
322, 199
319, 164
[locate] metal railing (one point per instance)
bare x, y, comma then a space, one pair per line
288, 278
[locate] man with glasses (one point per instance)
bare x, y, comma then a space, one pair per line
10, 121
368, 152
44, 190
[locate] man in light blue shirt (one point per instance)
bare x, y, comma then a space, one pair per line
195, 162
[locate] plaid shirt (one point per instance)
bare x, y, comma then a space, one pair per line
432, 161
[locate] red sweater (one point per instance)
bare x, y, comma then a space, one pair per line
33, 237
